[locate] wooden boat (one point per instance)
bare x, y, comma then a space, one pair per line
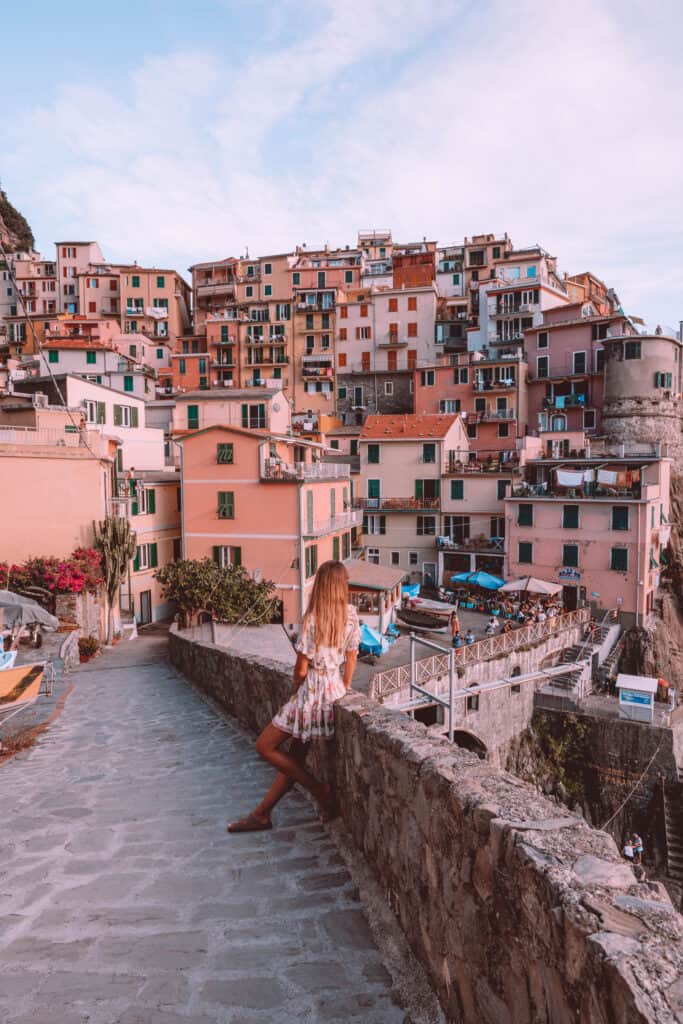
439, 608
421, 620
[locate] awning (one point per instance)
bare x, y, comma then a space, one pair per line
532, 585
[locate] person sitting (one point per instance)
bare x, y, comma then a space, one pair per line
469, 637
457, 640
541, 617
507, 626
637, 844
491, 627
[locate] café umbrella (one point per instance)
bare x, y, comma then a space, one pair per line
479, 579
532, 586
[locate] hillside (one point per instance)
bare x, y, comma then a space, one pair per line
15, 231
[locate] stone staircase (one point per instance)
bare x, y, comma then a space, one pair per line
673, 824
564, 691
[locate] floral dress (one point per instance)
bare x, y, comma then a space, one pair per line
310, 712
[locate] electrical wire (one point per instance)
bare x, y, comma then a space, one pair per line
630, 794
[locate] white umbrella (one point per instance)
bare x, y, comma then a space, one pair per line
533, 585
24, 611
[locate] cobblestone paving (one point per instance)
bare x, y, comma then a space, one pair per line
122, 899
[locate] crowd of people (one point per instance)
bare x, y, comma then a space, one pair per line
506, 617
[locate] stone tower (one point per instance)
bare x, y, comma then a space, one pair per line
643, 392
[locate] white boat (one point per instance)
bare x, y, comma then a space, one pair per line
422, 604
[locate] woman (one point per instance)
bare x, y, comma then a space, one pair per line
330, 636
455, 625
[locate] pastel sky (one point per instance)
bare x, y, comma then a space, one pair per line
174, 132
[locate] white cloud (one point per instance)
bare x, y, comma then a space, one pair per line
559, 125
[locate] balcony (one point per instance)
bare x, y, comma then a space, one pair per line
590, 492
495, 385
483, 545
275, 469
272, 383
215, 288
135, 311
574, 401
393, 341
512, 339
309, 370
397, 504
342, 521
524, 309
227, 364
315, 307
458, 463
249, 278
496, 415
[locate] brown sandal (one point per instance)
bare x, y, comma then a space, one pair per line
249, 824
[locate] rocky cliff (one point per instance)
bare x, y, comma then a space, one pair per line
15, 231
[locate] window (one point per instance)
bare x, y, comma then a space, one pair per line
254, 416
373, 453
296, 277
531, 271
426, 526
600, 360
365, 362
412, 330
192, 417
541, 366
161, 282
202, 364
321, 279
427, 378
341, 391
177, 549
341, 359
393, 305
311, 560
373, 556
363, 333
619, 559
346, 545
146, 557
589, 419
335, 549
456, 279
413, 558
663, 380
570, 555
249, 291
412, 304
473, 702
334, 445
267, 289
128, 383
449, 405
631, 350
226, 504
374, 525
348, 276
496, 252
226, 555
599, 332
135, 281
501, 488
95, 412
503, 430
620, 517
570, 517
125, 416
457, 490
475, 275
160, 353
363, 311
429, 452
53, 356
91, 357
267, 268
525, 515
579, 362
354, 444
525, 553
542, 339
472, 431
225, 454
358, 396
388, 387
182, 366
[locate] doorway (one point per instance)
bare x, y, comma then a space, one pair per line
429, 574
570, 598
145, 607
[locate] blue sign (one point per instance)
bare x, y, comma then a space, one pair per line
569, 574
634, 697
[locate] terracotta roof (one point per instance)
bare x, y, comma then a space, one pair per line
407, 427
373, 577
78, 343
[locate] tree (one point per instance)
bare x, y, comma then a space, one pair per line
227, 593
115, 541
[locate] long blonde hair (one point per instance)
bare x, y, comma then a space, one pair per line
327, 605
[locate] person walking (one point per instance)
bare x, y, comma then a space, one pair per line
455, 625
327, 652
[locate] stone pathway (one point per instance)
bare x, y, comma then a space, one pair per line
123, 901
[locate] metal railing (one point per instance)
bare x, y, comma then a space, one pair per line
342, 521
276, 469
396, 504
394, 679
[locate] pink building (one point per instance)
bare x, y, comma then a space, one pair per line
566, 360
267, 503
597, 524
74, 258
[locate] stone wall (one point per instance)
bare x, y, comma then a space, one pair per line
375, 398
85, 609
645, 419
519, 911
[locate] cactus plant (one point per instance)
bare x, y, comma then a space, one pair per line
116, 543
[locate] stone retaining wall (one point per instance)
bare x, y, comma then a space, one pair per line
519, 912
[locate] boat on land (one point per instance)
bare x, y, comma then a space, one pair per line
419, 620
439, 608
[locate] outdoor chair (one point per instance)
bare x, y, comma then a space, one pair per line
21, 686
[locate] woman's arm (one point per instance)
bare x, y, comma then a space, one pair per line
350, 667
300, 670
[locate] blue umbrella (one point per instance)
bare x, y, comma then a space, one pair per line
479, 579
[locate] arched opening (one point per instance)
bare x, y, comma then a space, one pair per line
468, 741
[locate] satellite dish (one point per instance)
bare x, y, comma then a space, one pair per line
276, 406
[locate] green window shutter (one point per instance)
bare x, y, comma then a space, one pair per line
135, 506
418, 489
202, 364
127, 383
346, 545
457, 490
161, 282
224, 453
373, 453
429, 452
224, 332
307, 561
192, 417
136, 281
53, 356
658, 380
237, 556
11, 332
373, 489
101, 412
619, 560
245, 415
136, 560
570, 555
118, 416
620, 517
525, 515
262, 414
91, 357
226, 504
502, 487
216, 554
437, 488
570, 517
309, 511
153, 556
151, 501
134, 422
333, 503
335, 548
668, 379
525, 553
160, 353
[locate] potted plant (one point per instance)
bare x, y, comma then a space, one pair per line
88, 647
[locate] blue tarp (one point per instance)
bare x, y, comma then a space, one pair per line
370, 640
479, 579
411, 589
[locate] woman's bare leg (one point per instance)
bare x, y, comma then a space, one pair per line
282, 783
267, 746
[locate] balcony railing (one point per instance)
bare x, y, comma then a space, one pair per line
342, 521
215, 288
480, 462
279, 470
495, 415
495, 385
69, 437
594, 492
393, 341
315, 307
482, 545
396, 504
